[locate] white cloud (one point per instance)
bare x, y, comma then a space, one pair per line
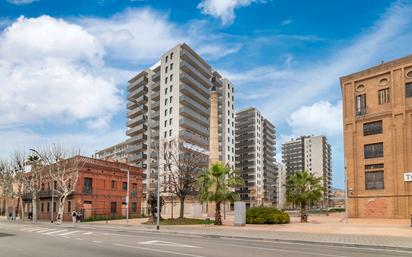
320, 118
287, 22
52, 76
21, 2
223, 9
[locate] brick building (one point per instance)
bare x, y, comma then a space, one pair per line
377, 120
101, 190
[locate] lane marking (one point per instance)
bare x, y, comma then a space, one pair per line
68, 233
97, 242
88, 233
157, 250
33, 229
55, 232
80, 239
45, 230
165, 243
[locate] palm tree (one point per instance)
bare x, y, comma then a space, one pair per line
303, 188
217, 185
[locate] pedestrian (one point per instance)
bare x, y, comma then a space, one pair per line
74, 217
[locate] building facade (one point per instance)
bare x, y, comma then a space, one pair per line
101, 190
170, 101
116, 152
377, 122
255, 157
311, 153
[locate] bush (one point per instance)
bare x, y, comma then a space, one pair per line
266, 215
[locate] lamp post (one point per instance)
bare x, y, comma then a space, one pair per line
52, 186
158, 170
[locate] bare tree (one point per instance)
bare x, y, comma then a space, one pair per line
181, 163
6, 181
19, 167
63, 170
32, 181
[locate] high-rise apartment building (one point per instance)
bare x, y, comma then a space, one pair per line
170, 101
311, 153
377, 121
116, 152
255, 157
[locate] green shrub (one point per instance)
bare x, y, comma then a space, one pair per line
266, 215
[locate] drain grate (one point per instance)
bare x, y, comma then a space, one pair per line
5, 234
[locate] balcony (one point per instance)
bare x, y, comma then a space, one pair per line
136, 139
192, 71
137, 148
154, 124
135, 121
156, 76
155, 96
194, 139
193, 115
156, 106
189, 80
155, 115
136, 130
137, 92
190, 125
137, 111
137, 83
189, 91
153, 175
189, 57
188, 101
140, 157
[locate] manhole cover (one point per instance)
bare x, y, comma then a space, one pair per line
4, 235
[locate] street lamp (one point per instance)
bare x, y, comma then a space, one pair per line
52, 185
158, 170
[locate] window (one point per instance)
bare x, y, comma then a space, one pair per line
360, 105
171, 87
134, 187
170, 110
165, 123
408, 89
166, 101
373, 150
374, 166
170, 121
48, 207
42, 207
166, 58
166, 80
171, 77
134, 207
374, 180
165, 91
88, 182
383, 96
165, 134
170, 99
113, 208
166, 69
69, 206
113, 184
171, 66
170, 133
165, 112
124, 186
372, 128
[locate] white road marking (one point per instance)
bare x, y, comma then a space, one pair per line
65, 237
33, 229
97, 242
68, 233
88, 233
164, 243
79, 239
46, 230
55, 232
157, 250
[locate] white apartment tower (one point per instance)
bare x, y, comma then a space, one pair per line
255, 157
173, 104
311, 153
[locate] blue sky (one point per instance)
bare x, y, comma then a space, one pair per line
64, 64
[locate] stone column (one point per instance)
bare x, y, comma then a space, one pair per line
214, 127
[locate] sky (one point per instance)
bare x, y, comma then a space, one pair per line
64, 65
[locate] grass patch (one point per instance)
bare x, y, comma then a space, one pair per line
111, 217
184, 221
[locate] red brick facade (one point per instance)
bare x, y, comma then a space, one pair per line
100, 191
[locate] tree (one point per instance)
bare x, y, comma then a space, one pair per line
63, 170
32, 181
6, 183
182, 163
303, 188
19, 167
217, 185
152, 202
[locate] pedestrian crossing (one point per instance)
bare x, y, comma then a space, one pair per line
56, 232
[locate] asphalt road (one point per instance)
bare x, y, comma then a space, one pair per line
48, 240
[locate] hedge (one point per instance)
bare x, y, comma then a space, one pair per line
266, 215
